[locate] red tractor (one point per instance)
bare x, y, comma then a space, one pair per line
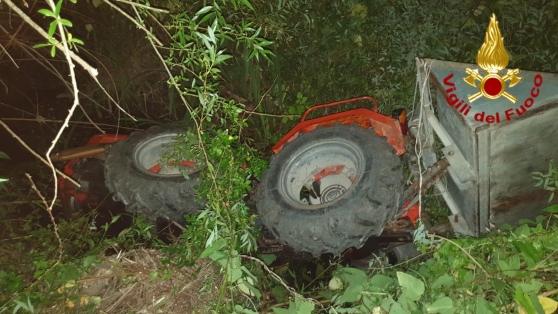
337, 180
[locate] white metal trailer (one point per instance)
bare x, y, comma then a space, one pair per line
493, 139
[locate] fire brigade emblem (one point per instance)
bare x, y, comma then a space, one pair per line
492, 58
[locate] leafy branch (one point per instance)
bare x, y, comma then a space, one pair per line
549, 180
57, 21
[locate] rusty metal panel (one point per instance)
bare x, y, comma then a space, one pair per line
517, 149
502, 141
463, 136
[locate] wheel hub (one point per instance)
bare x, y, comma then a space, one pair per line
321, 173
329, 188
148, 157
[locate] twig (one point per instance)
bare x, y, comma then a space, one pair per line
278, 279
9, 56
112, 99
52, 220
60, 248
122, 297
143, 6
252, 112
71, 122
273, 274
37, 155
66, 51
91, 70
126, 15
463, 250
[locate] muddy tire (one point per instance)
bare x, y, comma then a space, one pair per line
330, 189
166, 194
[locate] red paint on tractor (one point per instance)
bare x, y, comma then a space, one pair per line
383, 125
65, 186
412, 213
329, 171
157, 167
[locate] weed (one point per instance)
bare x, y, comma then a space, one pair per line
549, 180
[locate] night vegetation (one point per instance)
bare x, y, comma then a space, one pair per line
241, 72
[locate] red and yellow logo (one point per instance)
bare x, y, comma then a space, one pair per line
492, 58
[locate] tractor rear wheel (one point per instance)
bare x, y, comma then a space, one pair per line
330, 189
137, 176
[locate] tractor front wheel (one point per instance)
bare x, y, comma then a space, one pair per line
330, 189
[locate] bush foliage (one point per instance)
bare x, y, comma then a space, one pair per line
277, 59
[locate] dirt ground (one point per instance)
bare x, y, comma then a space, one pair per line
138, 282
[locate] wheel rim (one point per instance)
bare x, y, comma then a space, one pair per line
149, 154
321, 173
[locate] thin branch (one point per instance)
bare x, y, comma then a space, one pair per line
462, 250
49, 67
60, 248
143, 6
91, 70
52, 220
279, 280
29, 149
112, 99
255, 113
65, 124
149, 34
9, 56
71, 122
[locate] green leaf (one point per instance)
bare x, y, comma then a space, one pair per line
444, 281
215, 246
351, 294
115, 219
396, 308
207, 17
65, 22
211, 32
4, 180
381, 281
47, 12
204, 10
58, 7
522, 231
299, 306
510, 266
352, 276
4, 156
53, 51
52, 28
524, 300
247, 4
90, 260
304, 306
279, 293
552, 209
529, 252
69, 272
267, 258
532, 287
443, 305
483, 306
210, 167
413, 287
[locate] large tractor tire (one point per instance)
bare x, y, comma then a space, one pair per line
330, 189
130, 175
